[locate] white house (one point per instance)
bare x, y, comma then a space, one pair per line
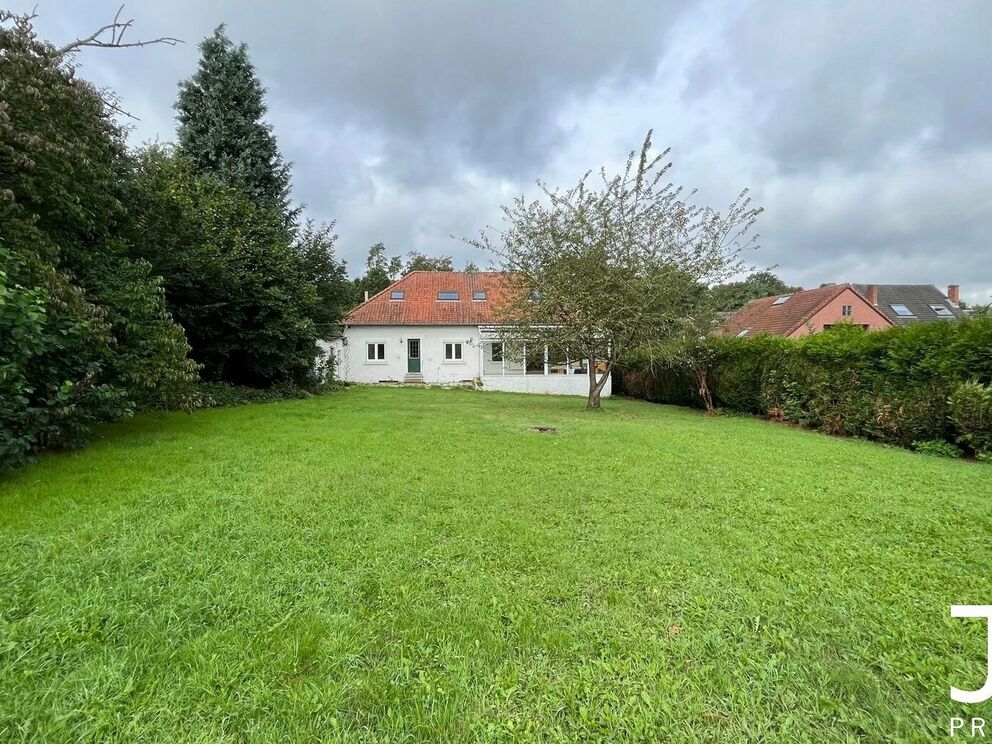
439, 327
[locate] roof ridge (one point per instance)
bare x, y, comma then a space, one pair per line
874, 307
453, 271
880, 284
828, 297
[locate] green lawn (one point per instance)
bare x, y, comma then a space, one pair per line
409, 564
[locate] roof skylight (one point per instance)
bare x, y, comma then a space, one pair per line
942, 310
447, 295
396, 294
782, 300
902, 311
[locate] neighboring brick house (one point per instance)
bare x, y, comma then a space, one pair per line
908, 304
806, 311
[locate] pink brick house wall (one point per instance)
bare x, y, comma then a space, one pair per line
862, 313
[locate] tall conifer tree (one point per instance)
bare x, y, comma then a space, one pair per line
222, 130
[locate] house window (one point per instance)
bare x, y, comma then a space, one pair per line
782, 300
534, 358
942, 310
479, 296
396, 294
578, 367
376, 352
493, 358
847, 311
452, 351
557, 361
743, 332
902, 311
448, 296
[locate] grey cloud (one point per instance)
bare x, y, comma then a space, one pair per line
477, 82
916, 221
847, 81
865, 129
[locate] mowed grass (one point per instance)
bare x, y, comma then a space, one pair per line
421, 565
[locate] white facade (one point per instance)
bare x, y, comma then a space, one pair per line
451, 355
353, 364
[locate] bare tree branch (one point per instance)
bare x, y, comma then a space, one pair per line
116, 29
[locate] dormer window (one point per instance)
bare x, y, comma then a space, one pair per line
397, 294
479, 296
447, 296
782, 300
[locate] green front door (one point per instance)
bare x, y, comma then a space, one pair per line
413, 356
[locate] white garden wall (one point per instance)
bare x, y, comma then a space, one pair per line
549, 384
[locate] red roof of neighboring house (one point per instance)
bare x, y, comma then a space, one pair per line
764, 316
420, 305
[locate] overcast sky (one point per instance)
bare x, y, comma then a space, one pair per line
863, 128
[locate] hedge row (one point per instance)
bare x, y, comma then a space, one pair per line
903, 385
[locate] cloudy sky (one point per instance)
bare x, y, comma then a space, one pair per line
863, 128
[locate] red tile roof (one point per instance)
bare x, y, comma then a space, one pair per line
420, 305
763, 316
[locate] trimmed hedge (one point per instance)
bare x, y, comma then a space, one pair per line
971, 412
902, 385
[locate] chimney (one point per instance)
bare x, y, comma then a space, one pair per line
366, 295
954, 293
871, 294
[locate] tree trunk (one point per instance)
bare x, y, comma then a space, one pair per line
592, 402
596, 388
704, 389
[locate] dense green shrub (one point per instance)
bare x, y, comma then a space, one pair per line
53, 351
658, 385
897, 386
221, 394
85, 334
971, 411
938, 448
740, 374
231, 276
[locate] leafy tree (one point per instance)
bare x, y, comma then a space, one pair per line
733, 296
84, 331
54, 348
335, 294
689, 352
246, 298
380, 272
606, 271
470, 266
221, 127
420, 262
